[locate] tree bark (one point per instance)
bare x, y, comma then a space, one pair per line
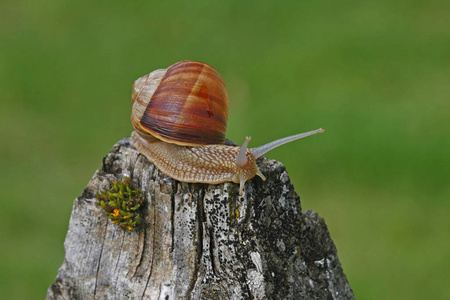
198, 241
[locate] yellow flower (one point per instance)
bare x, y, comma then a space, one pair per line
129, 227
116, 213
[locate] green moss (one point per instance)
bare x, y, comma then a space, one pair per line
122, 204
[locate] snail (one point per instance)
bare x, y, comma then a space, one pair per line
180, 117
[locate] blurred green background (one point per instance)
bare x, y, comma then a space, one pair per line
375, 75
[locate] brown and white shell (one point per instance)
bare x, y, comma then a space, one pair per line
185, 104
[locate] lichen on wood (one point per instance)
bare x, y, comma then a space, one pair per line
198, 241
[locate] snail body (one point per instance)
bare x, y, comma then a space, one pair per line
180, 117
196, 164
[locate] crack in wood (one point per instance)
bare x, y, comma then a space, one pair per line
153, 256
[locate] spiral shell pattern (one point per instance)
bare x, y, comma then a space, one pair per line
188, 107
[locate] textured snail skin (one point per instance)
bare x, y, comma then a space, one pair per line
206, 164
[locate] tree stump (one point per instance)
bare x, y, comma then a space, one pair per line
198, 241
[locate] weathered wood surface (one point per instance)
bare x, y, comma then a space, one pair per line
198, 241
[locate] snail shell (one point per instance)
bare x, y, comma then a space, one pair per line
186, 104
